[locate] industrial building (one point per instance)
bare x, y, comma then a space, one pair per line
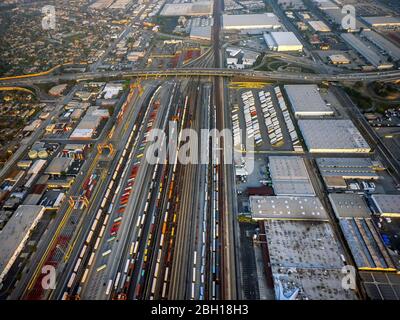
349, 205
388, 205
15, 234
306, 101
333, 136
88, 125
382, 43
282, 41
339, 59
366, 245
319, 26
59, 165
382, 21
335, 17
305, 261
290, 177
326, 4
261, 21
287, 208
335, 171
200, 28
368, 53
203, 8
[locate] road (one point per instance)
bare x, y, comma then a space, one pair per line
209, 72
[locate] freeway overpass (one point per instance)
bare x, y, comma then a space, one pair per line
206, 72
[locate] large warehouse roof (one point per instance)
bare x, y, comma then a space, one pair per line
349, 205
15, 234
369, 54
251, 21
382, 21
382, 43
366, 245
306, 100
287, 208
387, 204
332, 136
290, 177
203, 8
347, 168
283, 41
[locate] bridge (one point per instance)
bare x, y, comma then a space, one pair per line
203, 72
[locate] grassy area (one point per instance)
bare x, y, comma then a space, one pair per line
362, 101
167, 24
245, 219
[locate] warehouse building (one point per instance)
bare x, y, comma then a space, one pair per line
366, 245
325, 4
203, 8
383, 44
388, 205
382, 22
319, 26
15, 234
261, 21
282, 41
287, 208
367, 52
88, 125
335, 17
290, 177
59, 166
335, 171
333, 136
305, 260
339, 59
349, 205
307, 101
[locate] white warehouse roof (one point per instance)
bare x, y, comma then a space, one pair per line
266, 20
333, 136
306, 100
287, 208
283, 41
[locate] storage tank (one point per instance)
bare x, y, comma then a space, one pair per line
43, 154
33, 154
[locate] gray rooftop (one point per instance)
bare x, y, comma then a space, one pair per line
387, 204
349, 205
382, 43
346, 167
15, 234
382, 21
332, 136
369, 54
306, 100
59, 165
287, 208
289, 176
